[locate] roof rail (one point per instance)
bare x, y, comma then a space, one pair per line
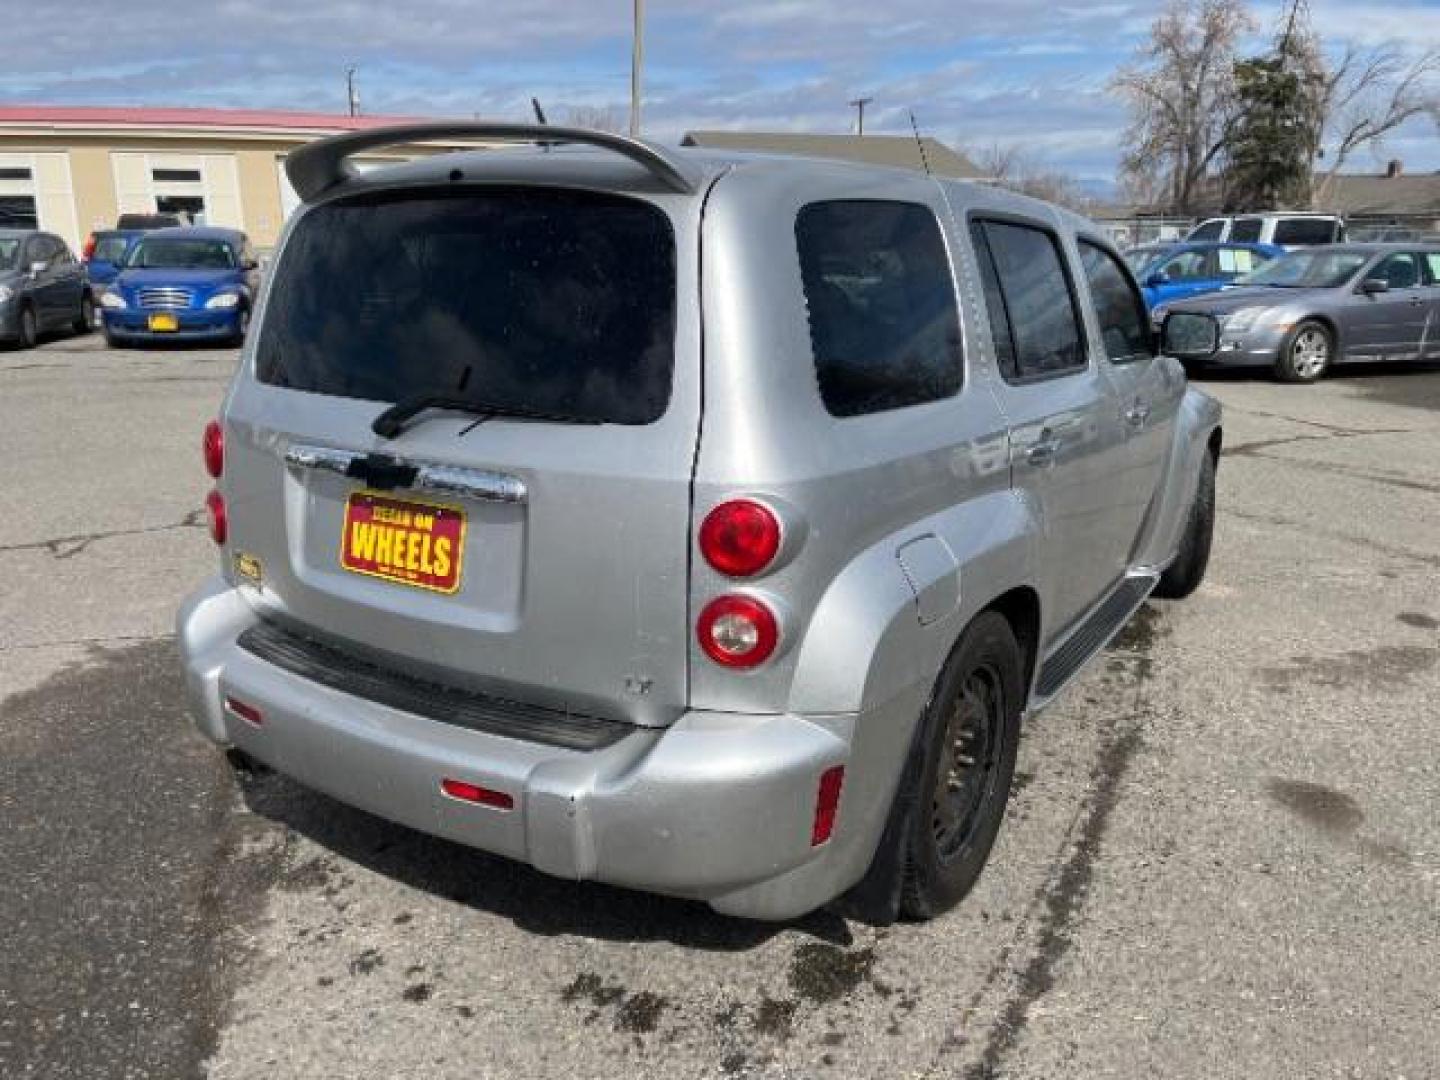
320, 165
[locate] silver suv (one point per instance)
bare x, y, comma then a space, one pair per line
694, 522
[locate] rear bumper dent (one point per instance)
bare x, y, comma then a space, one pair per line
718, 806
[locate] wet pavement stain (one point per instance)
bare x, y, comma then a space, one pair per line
1139, 634
367, 962
1381, 668
1326, 809
1418, 620
640, 1013
822, 973
775, 1018
417, 994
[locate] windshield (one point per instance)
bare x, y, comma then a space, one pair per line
9, 252
521, 298
181, 254
1307, 270
1141, 257
109, 249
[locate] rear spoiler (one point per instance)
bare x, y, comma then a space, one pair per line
318, 166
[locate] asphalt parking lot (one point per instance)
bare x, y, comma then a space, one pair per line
1222, 861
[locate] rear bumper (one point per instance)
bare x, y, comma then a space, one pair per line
718, 807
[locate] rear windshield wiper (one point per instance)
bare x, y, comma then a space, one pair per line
394, 419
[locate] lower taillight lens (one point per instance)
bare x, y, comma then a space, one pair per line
219, 519
212, 446
738, 631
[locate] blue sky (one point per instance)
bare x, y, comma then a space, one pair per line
976, 72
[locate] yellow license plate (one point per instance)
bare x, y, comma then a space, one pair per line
401, 540
164, 323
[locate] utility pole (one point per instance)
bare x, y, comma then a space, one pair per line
859, 104
637, 63
350, 93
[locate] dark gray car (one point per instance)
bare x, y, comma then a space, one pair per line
42, 287
1310, 309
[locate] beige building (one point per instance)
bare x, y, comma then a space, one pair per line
73, 170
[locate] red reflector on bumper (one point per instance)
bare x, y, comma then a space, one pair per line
249, 713
827, 803
474, 793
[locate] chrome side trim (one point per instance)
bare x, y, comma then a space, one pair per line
442, 479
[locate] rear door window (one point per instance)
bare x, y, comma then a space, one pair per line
1432, 268
884, 324
1119, 308
1246, 230
531, 298
1033, 313
1298, 232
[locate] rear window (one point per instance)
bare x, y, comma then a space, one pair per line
883, 320
1300, 231
530, 298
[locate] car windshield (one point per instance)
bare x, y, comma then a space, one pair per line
514, 298
9, 252
181, 254
1307, 270
109, 249
1141, 257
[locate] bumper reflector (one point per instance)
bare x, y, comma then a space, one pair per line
249, 713
474, 793
827, 803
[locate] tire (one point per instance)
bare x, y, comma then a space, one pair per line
242, 327
111, 340
1183, 576
29, 328
86, 320
1307, 353
968, 738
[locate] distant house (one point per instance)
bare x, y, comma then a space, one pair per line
901, 151
1391, 198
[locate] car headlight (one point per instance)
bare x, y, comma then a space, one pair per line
6, 293
112, 300
1244, 319
223, 301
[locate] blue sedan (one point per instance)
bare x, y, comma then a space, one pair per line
1174, 271
185, 283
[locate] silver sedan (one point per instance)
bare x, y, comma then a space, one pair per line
1309, 309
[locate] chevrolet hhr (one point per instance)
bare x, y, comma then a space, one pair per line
698, 523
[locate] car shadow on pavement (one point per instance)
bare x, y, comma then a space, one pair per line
533, 901
1343, 371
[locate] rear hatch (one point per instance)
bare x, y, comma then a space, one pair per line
540, 560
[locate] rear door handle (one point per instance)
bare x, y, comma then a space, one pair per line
1041, 453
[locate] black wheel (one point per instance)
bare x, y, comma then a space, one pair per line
242, 327
85, 322
29, 327
1307, 353
969, 735
1184, 575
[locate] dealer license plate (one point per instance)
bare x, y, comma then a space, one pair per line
406, 541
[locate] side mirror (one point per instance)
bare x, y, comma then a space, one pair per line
38, 267
1158, 278
1190, 335
1374, 286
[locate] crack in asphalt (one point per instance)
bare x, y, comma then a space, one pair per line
1424, 558
1347, 471
67, 547
1338, 429
1252, 449
103, 639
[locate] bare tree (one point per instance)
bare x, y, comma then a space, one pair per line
1364, 97
595, 117
1013, 168
1181, 94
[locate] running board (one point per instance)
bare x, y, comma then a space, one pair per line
1093, 634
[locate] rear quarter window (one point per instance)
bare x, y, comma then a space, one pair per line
884, 325
533, 298
1292, 232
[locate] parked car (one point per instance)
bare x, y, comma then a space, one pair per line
103, 254
1309, 309
42, 287
1173, 271
186, 283
1288, 230
493, 566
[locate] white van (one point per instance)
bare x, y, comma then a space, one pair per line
1288, 230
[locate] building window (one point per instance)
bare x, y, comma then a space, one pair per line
190, 208
9, 173
18, 212
175, 176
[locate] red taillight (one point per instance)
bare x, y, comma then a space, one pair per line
474, 793
88, 251
219, 520
249, 713
738, 631
827, 804
212, 445
740, 538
